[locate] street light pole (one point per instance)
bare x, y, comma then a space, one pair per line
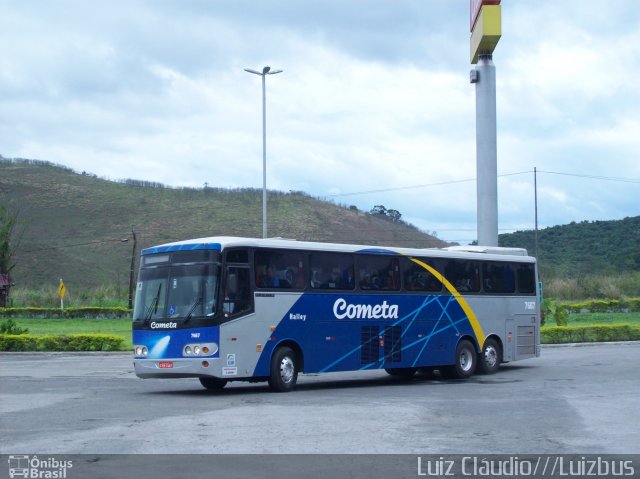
265, 71
535, 201
131, 271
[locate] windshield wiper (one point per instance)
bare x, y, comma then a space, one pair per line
193, 308
199, 301
153, 307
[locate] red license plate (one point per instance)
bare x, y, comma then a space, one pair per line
165, 364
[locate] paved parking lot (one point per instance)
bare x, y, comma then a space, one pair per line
571, 400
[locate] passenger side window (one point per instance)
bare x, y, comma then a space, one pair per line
463, 275
526, 278
379, 273
331, 271
417, 278
279, 269
498, 278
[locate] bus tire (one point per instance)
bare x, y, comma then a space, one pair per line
406, 373
213, 384
466, 361
284, 370
490, 358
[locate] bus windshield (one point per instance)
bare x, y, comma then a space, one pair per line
176, 292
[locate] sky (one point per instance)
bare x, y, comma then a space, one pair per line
373, 107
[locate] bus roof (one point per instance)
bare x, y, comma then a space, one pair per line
221, 243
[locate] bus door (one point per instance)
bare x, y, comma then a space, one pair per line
236, 296
237, 299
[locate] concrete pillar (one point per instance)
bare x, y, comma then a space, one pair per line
486, 151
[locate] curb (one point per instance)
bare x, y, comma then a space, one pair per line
582, 345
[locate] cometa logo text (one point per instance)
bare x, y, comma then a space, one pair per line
170, 325
342, 310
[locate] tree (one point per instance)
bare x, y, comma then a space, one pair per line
378, 210
8, 222
395, 215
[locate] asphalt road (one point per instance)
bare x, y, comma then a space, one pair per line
571, 400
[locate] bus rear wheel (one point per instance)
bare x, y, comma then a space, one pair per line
284, 370
213, 384
490, 358
466, 361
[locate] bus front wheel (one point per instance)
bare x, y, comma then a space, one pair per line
213, 384
284, 370
466, 360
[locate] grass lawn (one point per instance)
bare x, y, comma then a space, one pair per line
61, 327
584, 319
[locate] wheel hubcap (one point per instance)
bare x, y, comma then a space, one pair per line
490, 356
287, 369
466, 360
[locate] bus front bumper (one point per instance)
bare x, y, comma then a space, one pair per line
176, 368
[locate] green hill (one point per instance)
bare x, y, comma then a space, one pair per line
73, 224
577, 249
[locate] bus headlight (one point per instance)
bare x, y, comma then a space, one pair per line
200, 349
140, 351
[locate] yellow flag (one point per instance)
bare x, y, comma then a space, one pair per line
62, 290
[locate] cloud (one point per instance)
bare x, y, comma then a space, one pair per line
374, 96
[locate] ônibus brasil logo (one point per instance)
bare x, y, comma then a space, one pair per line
342, 309
34, 467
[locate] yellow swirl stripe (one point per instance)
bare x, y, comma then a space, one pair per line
477, 329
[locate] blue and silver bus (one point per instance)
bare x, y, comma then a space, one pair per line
238, 309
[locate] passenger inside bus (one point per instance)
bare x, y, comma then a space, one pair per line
366, 280
335, 280
268, 280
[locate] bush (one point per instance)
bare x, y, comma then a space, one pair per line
9, 326
15, 342
86, 312
553, 311
604, 306
586, 334
74, 342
